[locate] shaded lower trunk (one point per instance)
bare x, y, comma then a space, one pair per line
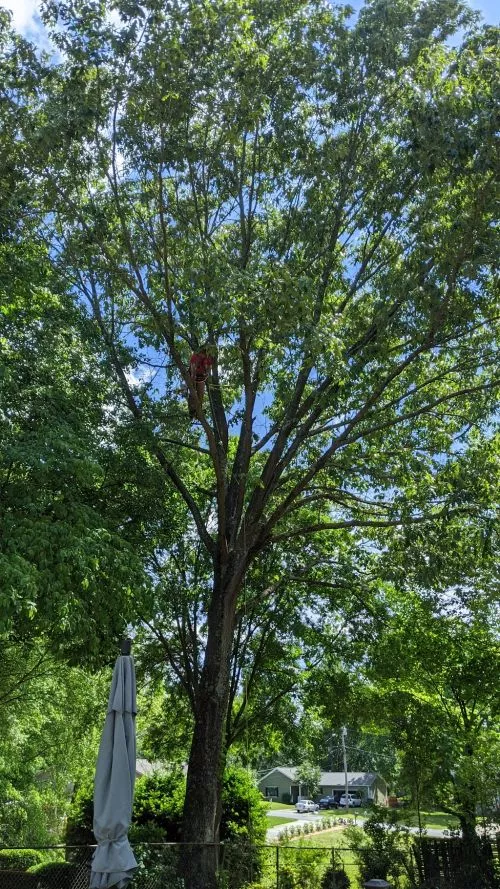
208, 753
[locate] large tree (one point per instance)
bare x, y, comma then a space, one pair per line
314, 198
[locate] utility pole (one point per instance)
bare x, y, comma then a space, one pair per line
343, 736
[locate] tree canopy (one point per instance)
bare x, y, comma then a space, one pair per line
312, 197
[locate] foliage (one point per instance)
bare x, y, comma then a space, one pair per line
309, 774
20, 859
158, 804
49, 732
199, 170
54, 456
435, 669
158, 800
382, 847
243, 809
54, 873
158, 864
335, 879
78, 830
287, 877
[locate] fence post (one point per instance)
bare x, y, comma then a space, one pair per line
332, 853
277, 866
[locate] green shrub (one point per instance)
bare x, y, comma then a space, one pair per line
381, 854
24, 816
54, 873
287, 878
286, 798
159, 865
79, 822
333, 878
308, 867
157, 818
20, 859
159, 800
158, 804
243, 811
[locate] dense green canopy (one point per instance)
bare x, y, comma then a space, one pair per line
314, 197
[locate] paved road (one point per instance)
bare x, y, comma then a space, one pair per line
299, 819
299, 816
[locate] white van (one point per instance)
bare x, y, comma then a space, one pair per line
354, 802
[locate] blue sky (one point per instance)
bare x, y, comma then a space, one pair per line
27, 21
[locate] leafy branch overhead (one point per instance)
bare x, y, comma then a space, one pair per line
310, 196
329, 231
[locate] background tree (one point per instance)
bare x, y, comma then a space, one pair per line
50, 718
437, 694
309, 777
314, 199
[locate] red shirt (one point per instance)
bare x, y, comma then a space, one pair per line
200, 364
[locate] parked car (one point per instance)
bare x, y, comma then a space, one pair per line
328, 802
306, 805
354, 801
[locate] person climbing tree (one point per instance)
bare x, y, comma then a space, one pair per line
199, 369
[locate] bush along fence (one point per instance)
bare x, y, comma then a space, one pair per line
241, 866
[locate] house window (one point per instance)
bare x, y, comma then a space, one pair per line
272, 791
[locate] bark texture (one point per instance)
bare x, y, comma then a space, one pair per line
208, 753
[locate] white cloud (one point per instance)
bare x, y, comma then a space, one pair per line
139, 375
114, 18
25, 16
26, 20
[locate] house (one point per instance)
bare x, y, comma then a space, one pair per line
144, 767
281, 784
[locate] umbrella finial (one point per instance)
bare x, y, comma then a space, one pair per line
126, 646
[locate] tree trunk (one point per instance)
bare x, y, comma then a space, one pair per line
207, 756
472, 871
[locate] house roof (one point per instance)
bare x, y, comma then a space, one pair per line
354, 779
145, 767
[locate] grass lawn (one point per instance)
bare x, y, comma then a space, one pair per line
437, 820
324, 840
274, 820
281, 806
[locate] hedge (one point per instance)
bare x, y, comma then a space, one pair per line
20, 859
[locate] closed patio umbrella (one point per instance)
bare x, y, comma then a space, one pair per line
113, 862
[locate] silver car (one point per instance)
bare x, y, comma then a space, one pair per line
306, 805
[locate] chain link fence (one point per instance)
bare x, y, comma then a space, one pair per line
437, 865
161, 867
